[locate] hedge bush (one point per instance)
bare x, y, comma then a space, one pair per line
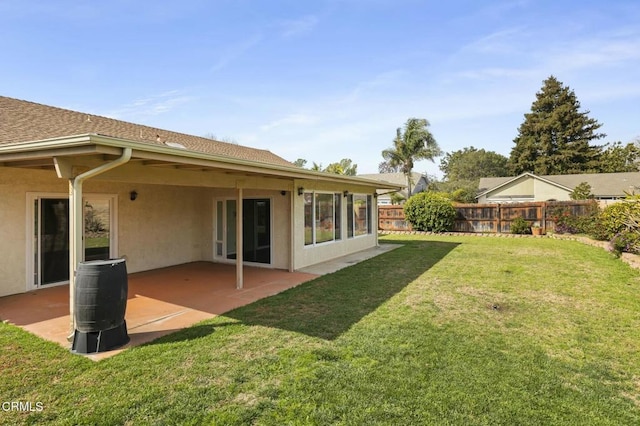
430, 211
520, 226
614, 217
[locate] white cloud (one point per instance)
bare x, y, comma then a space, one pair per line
385, 79
150, 106
304, 25
290, 120
499, 42
235, 51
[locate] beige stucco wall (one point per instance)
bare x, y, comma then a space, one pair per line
526, 189
13, 187
165, 225
545, 191
519, 187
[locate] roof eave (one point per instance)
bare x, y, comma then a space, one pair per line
92, 139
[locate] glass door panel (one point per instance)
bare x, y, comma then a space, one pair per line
231, 229
97, 232
256, 225
53, 240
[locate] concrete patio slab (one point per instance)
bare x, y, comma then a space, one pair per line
159, 302
166, 300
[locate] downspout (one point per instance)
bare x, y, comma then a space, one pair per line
76, 230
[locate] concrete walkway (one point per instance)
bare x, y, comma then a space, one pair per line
348, 260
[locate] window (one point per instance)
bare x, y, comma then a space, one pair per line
359, 215
308, 218
322, 218
338, 214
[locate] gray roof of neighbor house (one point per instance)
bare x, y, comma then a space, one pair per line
23, 121
602, 184
395, 178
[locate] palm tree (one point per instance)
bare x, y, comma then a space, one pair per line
414, 142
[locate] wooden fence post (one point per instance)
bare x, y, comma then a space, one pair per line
498, 221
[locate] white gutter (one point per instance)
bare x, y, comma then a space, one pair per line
76, 230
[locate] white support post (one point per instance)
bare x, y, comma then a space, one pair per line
239, 232
292, 226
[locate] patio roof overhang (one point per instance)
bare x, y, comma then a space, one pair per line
89, 150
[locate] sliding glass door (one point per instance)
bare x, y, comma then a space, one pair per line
50, 242
256, 227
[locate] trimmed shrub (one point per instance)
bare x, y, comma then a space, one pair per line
429, 211
520, 226
614, 217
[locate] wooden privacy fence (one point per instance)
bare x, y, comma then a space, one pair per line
491, 217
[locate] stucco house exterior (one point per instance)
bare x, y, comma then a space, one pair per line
76, 186
606, 187
419, 184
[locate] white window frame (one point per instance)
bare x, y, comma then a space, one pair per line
223, 257
313, 218
351, 219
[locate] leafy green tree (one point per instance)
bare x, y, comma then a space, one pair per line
461, 191
470, 163
582, 192
397, 198
464, 195
412, 143
617, 158
385, 167
343, 167
300, 162
555, 136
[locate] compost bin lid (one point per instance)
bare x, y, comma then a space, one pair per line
103, 262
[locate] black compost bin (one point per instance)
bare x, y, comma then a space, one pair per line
100, 301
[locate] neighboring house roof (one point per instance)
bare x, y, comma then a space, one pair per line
23, 121
395, 178
602, 184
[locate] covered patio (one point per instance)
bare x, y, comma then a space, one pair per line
159, 302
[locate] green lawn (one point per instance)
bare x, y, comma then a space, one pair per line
444, 330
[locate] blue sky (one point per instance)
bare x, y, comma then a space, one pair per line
325, 79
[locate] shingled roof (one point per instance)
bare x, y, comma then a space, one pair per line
23, 121
602, 184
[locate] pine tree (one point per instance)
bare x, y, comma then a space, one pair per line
555, 136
